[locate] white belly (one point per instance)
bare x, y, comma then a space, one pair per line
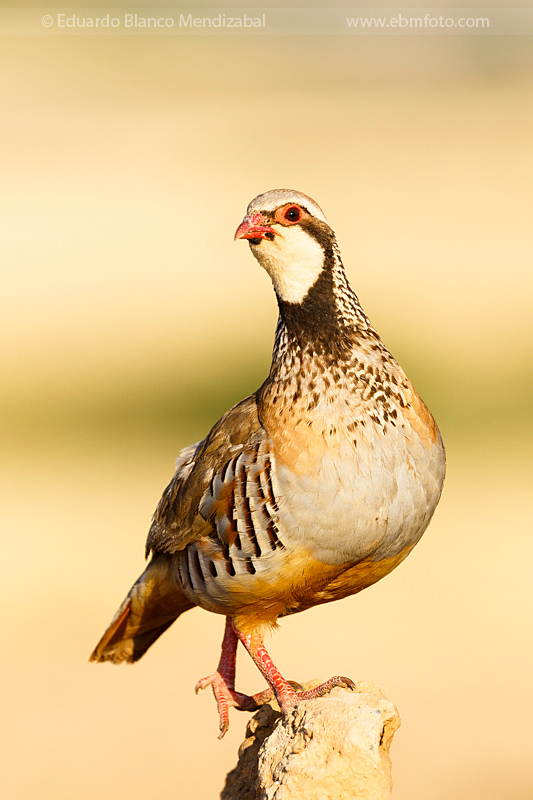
374, 500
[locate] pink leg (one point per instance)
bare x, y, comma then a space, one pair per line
222, 682
286, 696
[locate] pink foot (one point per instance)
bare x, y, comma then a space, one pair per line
226, 697
285, 693
289, 698
222, 682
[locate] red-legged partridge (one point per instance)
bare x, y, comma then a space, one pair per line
309, 490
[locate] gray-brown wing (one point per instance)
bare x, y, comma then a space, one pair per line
176, 521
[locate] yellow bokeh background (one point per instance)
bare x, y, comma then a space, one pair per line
130, 321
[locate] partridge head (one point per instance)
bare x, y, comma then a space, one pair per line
288, 235
309, 490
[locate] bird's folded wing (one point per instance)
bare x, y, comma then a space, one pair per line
177, 521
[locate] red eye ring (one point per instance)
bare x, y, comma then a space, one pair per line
290, 215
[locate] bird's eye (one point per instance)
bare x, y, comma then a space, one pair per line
292, 214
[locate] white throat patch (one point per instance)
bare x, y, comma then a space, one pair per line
294, 260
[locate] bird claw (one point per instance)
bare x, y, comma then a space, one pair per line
290, 698
203, 683
226, 697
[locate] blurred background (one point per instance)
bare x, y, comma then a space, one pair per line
131, 321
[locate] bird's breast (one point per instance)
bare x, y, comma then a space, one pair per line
353, 479
372, 500
339, 483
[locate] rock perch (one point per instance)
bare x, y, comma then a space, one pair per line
330, 748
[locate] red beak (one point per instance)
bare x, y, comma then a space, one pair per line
251, 228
